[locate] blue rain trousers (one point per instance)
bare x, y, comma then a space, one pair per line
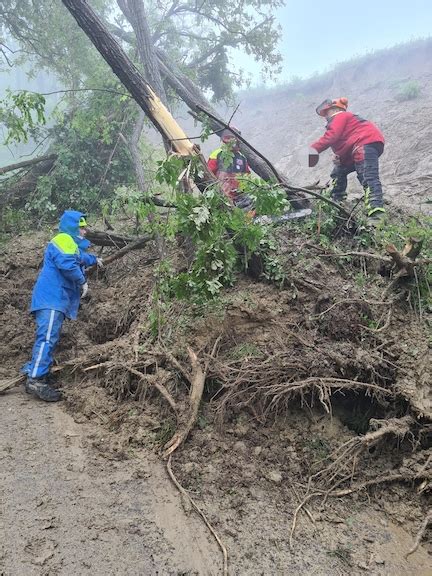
48, 328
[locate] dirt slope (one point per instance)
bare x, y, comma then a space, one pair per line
282, 122
285, 121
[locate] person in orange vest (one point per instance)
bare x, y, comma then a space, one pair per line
228, 165
357, 144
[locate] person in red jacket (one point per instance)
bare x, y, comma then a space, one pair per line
357, 144
228, 164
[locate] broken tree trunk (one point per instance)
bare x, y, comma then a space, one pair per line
404, 260
133, 80
193, 97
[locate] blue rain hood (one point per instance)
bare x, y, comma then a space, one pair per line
69, 223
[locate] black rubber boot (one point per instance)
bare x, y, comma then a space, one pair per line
39, 387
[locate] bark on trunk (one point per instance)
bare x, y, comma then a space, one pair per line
138, 19
129, 75
16, 194
26, 163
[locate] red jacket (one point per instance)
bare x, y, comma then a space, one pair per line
226, 174
345, 132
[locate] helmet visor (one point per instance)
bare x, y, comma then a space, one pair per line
324, 106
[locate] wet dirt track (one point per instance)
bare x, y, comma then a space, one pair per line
64, 509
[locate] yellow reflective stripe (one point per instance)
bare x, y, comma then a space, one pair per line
215, 153
65, 243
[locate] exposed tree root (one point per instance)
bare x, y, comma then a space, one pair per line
420, 533
200, 512
344, 460
188, 418
272, 380
296, 513
387, 478
197, 379
158, 382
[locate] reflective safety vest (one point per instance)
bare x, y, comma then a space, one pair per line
228, 173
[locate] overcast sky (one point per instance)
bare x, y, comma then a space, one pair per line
319, 33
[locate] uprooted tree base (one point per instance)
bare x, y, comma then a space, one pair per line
267, 371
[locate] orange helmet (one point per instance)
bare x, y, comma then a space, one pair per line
341, 103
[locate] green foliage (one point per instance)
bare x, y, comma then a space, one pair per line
323, 222
210, 34
269, 199
13, 221
224, 238
20, 113
85, 172
169, 170
49, 38
227, 153
206, 126
408, 91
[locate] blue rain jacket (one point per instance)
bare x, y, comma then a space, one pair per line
58, 286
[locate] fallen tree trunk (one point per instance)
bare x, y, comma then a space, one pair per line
17, 188
101, 238
26, 163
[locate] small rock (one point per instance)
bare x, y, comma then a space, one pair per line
242, 430
363, 565
188, 467
240, 447
379, 560
274, 476
257, 450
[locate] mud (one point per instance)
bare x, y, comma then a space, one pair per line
65, 509
85, 487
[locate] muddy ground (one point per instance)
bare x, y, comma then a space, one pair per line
86, 490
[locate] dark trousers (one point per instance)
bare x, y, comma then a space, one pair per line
366, 165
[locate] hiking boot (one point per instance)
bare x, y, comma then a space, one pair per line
375, 217
39, 387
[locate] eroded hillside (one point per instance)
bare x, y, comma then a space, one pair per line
282, 122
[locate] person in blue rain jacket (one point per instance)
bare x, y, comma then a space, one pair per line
56, 295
